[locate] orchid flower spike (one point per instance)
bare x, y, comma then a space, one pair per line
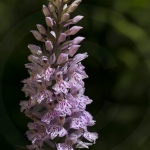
55, 89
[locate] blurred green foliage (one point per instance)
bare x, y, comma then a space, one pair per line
117, 40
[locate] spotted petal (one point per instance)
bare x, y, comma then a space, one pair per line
27, 104
63, 146
50, 116
55, 130
77, 123
64, 107
47, 73
61, 87
91, 136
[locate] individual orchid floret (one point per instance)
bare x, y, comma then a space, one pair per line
56, 128
79, 57
27, 104
69, 142
56, 103
61, 86
81, 144
64, 107
51, 114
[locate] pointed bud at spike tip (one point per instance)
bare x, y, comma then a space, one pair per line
51, 7
45, 11
37, 35
41, 29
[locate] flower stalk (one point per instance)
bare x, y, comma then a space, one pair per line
55, 88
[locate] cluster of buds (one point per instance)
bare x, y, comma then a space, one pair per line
57, 104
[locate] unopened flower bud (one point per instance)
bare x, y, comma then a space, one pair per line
77, 19
35, 49
73, 49
45, 11
77, 40
37, 35
49, 45
63, 57
73, 30
41, 29
64, 17
51, 7
71, 8
49, 22
62, 37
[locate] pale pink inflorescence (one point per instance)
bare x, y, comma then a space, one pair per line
57, 104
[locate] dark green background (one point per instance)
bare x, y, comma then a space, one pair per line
117, 39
